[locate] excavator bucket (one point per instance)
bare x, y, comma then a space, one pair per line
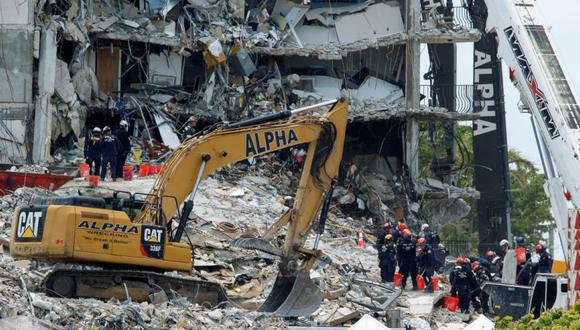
292, 296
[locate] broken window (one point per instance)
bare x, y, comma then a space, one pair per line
193, 72
134, 67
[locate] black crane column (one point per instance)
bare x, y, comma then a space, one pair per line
489, 137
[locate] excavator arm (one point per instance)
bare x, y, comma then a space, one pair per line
293, 294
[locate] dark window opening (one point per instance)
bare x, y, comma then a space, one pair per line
134, 67
193, 72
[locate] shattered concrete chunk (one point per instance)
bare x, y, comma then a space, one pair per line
26, 322
63, 85
85, 83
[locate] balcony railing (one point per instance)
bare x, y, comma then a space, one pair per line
458, 248
456, 98
442, 17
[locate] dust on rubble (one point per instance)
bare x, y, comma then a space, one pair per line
229, 204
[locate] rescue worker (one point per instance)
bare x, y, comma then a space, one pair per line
495, 263
546, 261
386, 229
190, 129
461, 280
93, 151
434, 242
398, 234
505, 246
426, 263
482, 275
431, 237
474, 288
526, 272
387, 259
483, 262
467, 263
519, 241
453, 275
109, 150
122, 134
407, 257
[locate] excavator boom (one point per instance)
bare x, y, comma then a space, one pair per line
84, 230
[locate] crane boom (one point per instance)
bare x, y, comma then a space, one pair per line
526, 47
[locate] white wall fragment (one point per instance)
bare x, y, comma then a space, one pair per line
14, 12
165, 69
377, 21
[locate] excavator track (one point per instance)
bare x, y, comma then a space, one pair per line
136, 284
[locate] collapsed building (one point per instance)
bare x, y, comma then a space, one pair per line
69, 66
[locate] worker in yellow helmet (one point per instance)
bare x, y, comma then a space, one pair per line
387, 259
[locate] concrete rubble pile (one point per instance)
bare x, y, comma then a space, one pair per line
231, 203
154, 63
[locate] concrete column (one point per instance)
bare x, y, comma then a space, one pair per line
412, 82
42, 108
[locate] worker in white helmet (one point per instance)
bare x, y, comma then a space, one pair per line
505, 245
122, 134
92, 150
433, 240
109, 150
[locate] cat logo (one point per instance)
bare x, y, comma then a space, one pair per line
30, 225
152, 240
152, 235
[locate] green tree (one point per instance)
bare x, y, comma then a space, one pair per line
530, 209
530, 214
430, 149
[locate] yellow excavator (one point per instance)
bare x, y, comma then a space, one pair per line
135, 238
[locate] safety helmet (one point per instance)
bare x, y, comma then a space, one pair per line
538, 248
519, 239
124, 123
475, 265
421, 241
388, 237
402, 226
424, 226
96, 130
459, 261
406, 233
106, 129
466, 261
191, 118
504, 242
387, 225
